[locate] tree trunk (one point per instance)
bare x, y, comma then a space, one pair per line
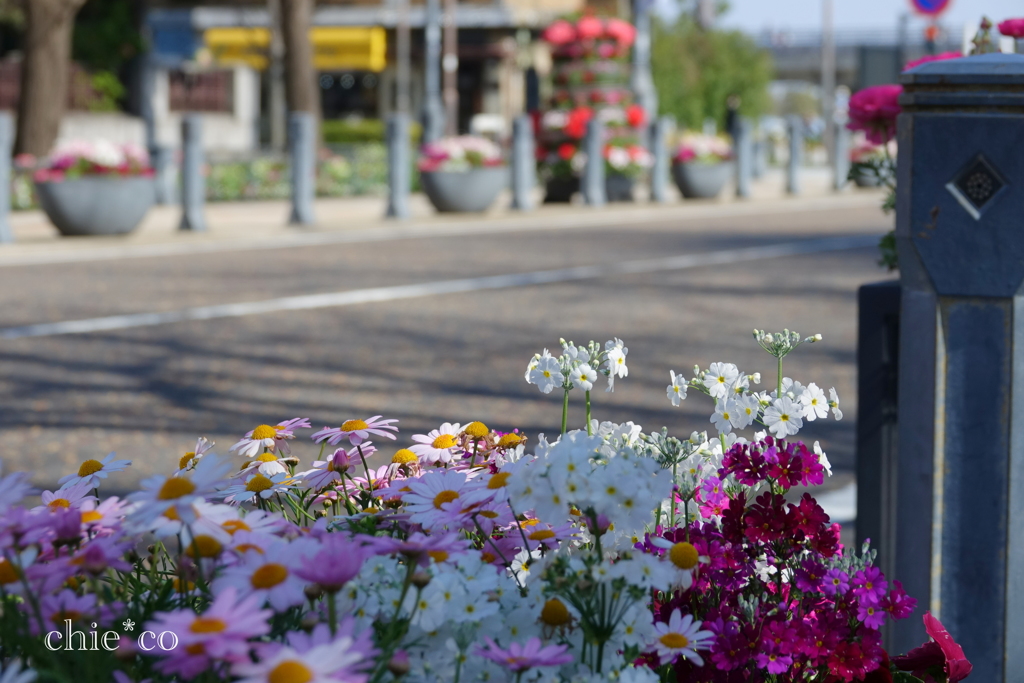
300, 79
44, 73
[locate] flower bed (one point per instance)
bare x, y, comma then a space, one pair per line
602, 554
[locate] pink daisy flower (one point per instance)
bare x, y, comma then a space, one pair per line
422, 548
271, 574
356, 431
518, 658
71, 497
437, 499
336, 563
13, 488
316, 658
439, 445
270, 437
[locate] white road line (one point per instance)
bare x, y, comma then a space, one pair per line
378, 294
13, 257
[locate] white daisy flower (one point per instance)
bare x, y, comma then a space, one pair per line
684, 557
439, 445
681, 637
160, 494
14, 673
271, 573
189, 460
92, 471
270, 437
257, 486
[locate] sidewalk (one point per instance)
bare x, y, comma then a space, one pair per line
263, 224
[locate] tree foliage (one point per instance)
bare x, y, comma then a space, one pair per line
696, 70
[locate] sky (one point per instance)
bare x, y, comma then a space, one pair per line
755, 16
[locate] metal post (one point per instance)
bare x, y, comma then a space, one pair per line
641, 80
6, 146
433, 108
960, 480
828, 76
524, 163
399, 170
795, 128
593, 171
403, 42
302, 153
193, 184
277, 101
660, 130
744, 155
760, 164
450, 67
841, 158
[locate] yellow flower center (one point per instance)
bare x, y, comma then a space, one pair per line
487, 557
233, 525
258, 484
269, 575
676, 641
207, 546
498, 480
172, 514
91, 516
510, 441
489, 514
477, 430
443, 441
403, 457
266, 457
175, 488
183, 586
243, 548
89, 467
445, 497
264, 432
541, 535
555, 613
208, 625
8, 573
58, 503
438, 555
290, 671
185, 460
60, 616
353, 425
683, 555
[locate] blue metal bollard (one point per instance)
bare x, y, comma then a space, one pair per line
744, 142
795, 128
841, 158
165, 177
593, 171
661, 129
433, 106
960, 477
302, 153
399, 181
524, 164
193, 184
6, 145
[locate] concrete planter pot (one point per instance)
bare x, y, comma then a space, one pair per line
618, 187
561, 190
862, 179
464, 191
701, 181
97, 205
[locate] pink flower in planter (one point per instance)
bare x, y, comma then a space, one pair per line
606, 51
942, 56
941, 651
874, 111
589, 28
621, 31
1012, 27
559, 33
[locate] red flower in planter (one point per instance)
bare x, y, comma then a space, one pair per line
606, 50
559, 33
621, 31
578, 119
942, 651
1012, 27
589, 28
635, 115
874, 110
596, 96
566, 151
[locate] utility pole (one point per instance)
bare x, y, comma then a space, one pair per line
276, 102
450, 66
828, 76
433, 109
403, 41
641, 81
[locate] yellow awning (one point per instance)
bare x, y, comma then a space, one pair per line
335, 48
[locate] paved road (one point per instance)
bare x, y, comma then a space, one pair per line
147, 388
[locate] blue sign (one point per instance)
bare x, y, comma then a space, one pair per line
930, 7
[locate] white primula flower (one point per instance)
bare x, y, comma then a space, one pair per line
783, 417
746, 409
719, 378
814, 402
833, 403
616, 359
723, 415
584, 376
547, 375
822, 458
676, 391
790, 388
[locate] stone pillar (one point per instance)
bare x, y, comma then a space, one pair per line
841, 157
960, 476
302, 154
795, 128
744, 142
593, 171
193, 184
6, 146
660, 130
433, 107
524, 163
641, 80
399, 165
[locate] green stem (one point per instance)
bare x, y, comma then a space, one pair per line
779, 381
332, 613
686, 518
590, 431
565, 410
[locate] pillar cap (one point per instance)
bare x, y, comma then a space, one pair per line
991, 82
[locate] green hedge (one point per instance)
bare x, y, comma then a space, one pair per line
343, 132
